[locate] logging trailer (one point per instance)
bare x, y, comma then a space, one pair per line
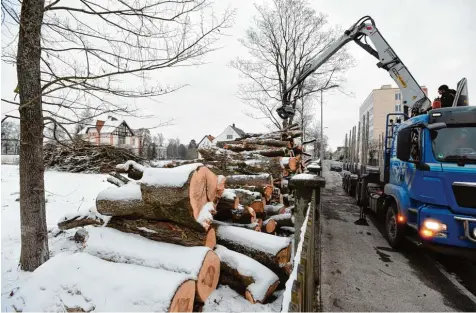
425, 183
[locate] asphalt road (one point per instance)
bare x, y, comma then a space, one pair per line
361, 272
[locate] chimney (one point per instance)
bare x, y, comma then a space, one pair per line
233, 124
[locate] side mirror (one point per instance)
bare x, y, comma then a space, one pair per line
403, 144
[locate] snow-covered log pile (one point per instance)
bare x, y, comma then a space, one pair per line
81, 156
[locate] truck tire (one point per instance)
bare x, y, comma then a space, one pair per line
393, 231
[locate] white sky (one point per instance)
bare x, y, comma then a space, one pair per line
434, 38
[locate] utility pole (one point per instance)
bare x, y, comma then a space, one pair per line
322, 129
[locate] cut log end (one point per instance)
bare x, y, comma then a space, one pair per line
258, 206
198, 190
212, 184
268, 191
184, 297
211, 239
208, 276
284, 256
270, 226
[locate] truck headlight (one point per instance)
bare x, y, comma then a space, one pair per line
474, 232
434, 225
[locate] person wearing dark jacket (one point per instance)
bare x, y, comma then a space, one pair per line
447, 96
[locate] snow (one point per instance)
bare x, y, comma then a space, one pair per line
249, 238
114, 245
305, 176
228, 194
246, 266
205, 215
225, 299
280, 217
169, 177
110, 125
128, 192
66, 193
254, 194
147, 230
284, 161
297, 258
126, 166
220, 178
80, 281
83, 214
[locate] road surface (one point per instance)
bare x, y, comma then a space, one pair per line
361, 272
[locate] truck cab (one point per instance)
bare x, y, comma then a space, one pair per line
431, 178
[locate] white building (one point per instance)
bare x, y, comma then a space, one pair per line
112, 132
205, 143
229, 134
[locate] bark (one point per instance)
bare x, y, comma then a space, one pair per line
249, 180
284, 220
271, 210
81, 220
246, 197
241, 215
34, 239
165, 232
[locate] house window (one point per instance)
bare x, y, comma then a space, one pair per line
398, 96
397, 107
133, 141
122, 140
229, 136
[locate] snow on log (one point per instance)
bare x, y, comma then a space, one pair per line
178, 194
228, 200
285, 231
165, 231
253, 226
269, 153
200, 263
246, 276
272, 251
81, 219
274, 209
246, 197
267, 142
285, 219
269, 225
82, 282
133, 169
123, 201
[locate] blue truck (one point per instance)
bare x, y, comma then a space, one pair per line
424, 186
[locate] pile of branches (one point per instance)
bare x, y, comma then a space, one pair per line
81, 156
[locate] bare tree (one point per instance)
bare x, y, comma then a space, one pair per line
285, 36
373, 150
75, 55
305, 115
160, 140
314, 132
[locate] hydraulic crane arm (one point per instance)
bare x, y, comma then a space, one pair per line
413, 96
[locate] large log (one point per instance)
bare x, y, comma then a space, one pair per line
80, 282
177, 194
260, 180
246, 197
165, 231
269, 225
133, 169
267, 142
269, 153
123, 201
241, 215
246, 276
200, 263
285, 219
272, 251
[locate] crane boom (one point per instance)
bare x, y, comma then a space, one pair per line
413, 96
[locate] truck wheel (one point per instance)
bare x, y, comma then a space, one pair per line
394, 231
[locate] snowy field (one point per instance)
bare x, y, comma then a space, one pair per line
67, 193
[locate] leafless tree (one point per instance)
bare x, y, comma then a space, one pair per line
72, 56
285, 36
305, 115
373, 150
314, 132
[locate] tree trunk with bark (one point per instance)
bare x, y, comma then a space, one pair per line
34, 240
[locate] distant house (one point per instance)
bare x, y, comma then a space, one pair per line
205, 143
229, 134
112, 132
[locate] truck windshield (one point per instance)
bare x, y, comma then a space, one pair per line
455, 144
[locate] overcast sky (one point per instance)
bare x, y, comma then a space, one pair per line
434, 38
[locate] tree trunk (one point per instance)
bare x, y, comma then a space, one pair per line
272, 251
165, 232
246, 276
34, 239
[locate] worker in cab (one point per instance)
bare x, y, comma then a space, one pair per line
447, 96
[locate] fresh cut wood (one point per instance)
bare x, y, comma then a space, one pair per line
246, 276
165, 231
269, 225
79, 282
272, 251
179, 194
200, 263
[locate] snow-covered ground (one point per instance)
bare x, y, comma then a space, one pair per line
68, 193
